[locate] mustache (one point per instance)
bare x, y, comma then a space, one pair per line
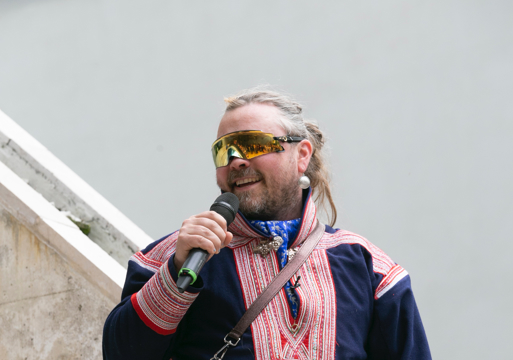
235, 174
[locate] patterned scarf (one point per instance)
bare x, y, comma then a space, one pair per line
287, 230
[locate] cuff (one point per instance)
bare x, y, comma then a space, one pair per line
159, 304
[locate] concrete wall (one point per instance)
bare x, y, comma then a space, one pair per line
48, 310
57, 284
67, 192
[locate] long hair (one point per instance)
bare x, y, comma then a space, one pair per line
295, 125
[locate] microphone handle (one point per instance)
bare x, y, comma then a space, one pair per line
225, 205
191, 268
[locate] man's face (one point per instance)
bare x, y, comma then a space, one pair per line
265, 185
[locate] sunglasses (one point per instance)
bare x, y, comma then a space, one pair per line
247, 144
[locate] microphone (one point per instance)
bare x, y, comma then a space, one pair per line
226, 205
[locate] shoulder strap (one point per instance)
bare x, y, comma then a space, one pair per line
233, 337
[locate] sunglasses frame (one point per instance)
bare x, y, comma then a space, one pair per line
283, 138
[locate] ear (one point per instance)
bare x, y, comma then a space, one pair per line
304, 153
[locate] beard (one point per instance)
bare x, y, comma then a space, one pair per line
278, 194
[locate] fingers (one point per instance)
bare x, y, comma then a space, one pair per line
206, 231
211, 221
228, 239
212, 215
199, 236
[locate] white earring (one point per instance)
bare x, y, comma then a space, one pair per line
304, 182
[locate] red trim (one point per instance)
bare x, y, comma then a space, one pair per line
139, 255
146, 320
240, 279
298, 237
271, 330
388, 279
307, 220
335, 291
345, 237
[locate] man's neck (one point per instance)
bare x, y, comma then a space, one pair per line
285, 213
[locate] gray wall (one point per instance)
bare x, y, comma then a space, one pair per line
47, 310
413, 95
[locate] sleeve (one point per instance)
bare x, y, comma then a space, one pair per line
396, 331
143, 324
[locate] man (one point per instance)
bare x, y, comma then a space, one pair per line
348, 301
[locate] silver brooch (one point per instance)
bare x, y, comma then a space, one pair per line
291, 253
264, 247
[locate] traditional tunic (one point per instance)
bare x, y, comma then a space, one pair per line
354, 302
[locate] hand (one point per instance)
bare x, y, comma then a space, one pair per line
207, 231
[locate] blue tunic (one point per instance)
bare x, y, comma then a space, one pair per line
354, 303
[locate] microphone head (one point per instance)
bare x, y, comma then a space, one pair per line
226, 205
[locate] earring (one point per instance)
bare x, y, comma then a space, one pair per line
304, 182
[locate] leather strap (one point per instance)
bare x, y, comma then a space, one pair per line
277, 283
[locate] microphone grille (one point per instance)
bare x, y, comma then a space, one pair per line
227, 205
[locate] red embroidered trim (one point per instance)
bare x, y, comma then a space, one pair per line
307, 224
159, 304
164, 249
146, 320
381, 262
154, 258
275, 333
144, 262
394, 275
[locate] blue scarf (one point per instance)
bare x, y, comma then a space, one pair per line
287, 230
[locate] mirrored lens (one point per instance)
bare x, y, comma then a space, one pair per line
244, 145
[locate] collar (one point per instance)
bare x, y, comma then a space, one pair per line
244, 233
286, 229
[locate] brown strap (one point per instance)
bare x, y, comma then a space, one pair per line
277, 283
